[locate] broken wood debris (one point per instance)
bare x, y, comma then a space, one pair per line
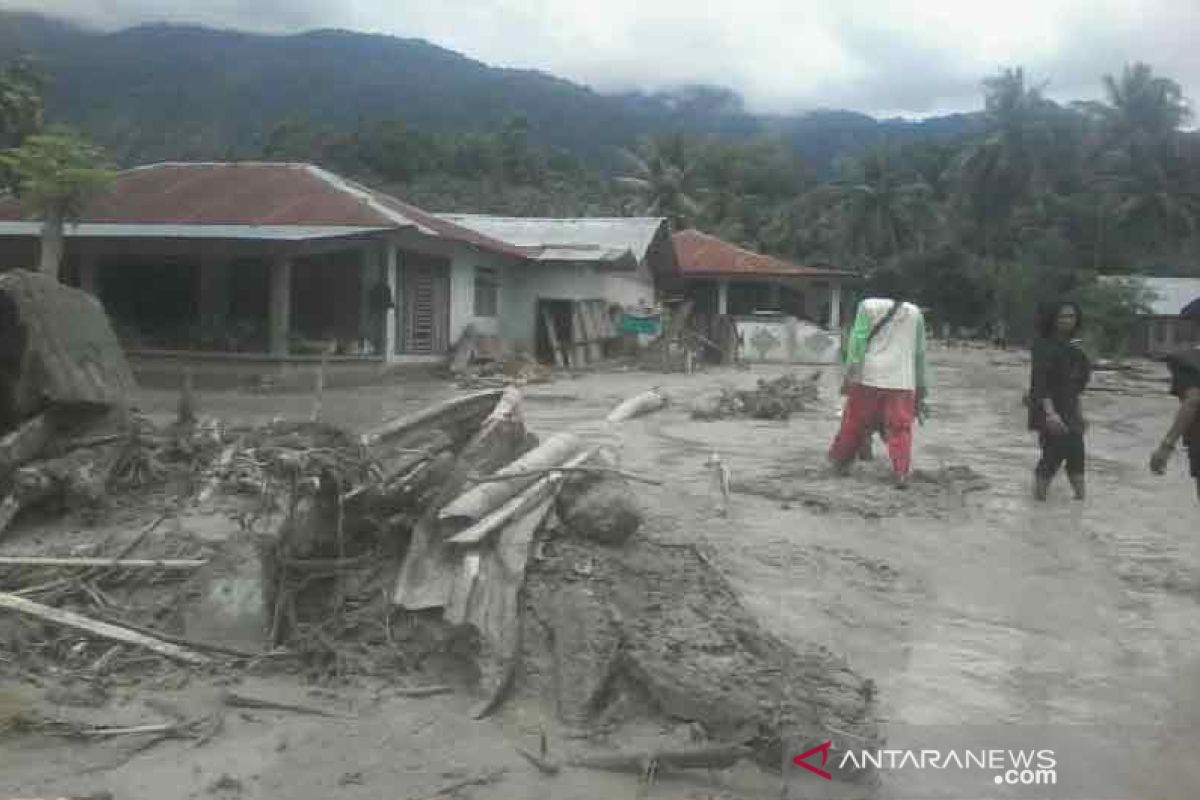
238, 700
103, 630
102, 563
638, 405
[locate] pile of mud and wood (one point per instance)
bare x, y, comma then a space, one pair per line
776, 399
451, 542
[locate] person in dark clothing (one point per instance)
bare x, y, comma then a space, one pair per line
1058, 375
1185, 385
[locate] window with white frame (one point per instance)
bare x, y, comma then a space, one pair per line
487, 292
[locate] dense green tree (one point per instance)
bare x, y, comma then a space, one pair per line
56, 172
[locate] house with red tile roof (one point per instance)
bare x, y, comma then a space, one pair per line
725, 279
290, 259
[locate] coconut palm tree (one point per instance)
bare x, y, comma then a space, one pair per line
662, 177
880, 209
1009, 165
1142, 109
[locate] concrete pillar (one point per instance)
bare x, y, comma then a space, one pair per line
835, 306
368, 274
723, 297
213, 292
89, 274
280, 304
391, 273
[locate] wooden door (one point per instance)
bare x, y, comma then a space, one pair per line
425, 292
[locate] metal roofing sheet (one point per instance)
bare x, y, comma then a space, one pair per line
115, 230
568, 239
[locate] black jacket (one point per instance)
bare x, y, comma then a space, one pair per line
1060, 371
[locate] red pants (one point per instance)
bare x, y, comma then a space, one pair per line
866, 409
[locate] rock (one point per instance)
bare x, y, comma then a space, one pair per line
600, 509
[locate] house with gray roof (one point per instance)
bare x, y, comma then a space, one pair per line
1161, 329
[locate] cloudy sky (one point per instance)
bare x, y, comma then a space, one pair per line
910, 57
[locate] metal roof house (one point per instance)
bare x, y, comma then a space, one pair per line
604, 262
1162, 330
292, 260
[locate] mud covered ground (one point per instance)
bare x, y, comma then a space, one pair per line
966, 602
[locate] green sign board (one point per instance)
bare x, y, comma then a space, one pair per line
632, 324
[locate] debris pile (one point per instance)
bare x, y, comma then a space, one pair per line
519, 370
449, 540
770, 399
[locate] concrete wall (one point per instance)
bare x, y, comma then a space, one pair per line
526, 284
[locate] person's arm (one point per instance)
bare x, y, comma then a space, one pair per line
1039, 385
919, 358
856, 345
1185, 417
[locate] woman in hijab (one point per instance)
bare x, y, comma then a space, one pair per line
1058, 376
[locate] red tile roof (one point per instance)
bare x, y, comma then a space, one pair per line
256, 193
702, 255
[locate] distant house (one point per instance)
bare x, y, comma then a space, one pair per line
1162, 330
759, 292
609, 262
291, 260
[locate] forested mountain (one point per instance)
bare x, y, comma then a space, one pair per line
975, 216
159, 91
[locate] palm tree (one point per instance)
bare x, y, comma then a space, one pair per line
1139, 161
1010, 164
880, 210
1143, 109
663, 179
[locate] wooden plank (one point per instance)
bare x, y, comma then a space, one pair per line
106, 563
559, 355
591, 331
578, 338
103, 630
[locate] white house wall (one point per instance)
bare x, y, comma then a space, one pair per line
522, 284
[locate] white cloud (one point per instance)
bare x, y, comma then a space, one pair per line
898, 56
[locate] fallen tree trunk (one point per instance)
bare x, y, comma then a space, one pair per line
636, 406
519, 504
101, 629
459, 412
480, 500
